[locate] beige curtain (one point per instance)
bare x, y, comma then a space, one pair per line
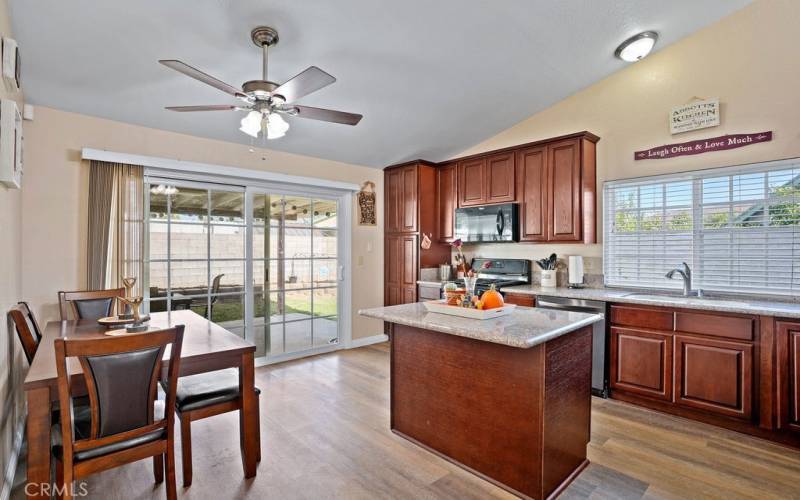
116, 225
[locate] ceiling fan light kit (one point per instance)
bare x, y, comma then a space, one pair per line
266, 101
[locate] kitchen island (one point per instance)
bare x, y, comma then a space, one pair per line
507, 399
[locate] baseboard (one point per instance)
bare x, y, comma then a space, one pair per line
365, 341
11, 470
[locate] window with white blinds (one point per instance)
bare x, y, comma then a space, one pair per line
737, 227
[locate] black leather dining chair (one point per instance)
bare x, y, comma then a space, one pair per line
89, 304
125, 422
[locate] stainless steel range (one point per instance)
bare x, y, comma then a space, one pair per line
500, 273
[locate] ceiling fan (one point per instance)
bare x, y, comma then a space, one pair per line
264, 100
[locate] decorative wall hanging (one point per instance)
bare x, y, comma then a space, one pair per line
10, 144
366, 205
694, 115
11, 65
700, 146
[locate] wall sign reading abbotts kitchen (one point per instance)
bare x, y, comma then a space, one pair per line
694, 116
701, 146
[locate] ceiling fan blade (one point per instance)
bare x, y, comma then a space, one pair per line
310, 80
327, 115
195, 73
212, 107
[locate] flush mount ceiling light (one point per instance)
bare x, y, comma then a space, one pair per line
264, 100
637, 47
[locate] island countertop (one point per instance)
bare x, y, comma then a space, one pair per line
524, 328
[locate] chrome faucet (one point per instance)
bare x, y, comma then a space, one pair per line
686, 275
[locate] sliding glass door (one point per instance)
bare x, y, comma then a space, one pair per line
264, 264
295, 273
196, 238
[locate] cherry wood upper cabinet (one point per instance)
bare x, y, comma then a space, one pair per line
401, 199
500, 178
564, 187
472, 182
447, 200
532, 181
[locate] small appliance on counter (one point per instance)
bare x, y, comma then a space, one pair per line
575, 267
490, 223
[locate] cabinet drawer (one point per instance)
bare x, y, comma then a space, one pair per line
656, 319
718, 325
641, 363
520, 299
714, 375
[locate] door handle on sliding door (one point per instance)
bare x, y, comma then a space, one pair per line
341, 273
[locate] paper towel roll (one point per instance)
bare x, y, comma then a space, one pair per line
576, 269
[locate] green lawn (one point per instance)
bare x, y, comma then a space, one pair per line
233, 311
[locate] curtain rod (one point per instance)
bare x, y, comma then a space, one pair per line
171, 165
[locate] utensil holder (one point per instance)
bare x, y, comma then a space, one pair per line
549, 278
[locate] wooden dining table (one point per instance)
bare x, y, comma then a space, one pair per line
206, 347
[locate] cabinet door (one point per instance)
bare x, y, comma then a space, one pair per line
564, 191
447, 200
500, 178
408, 200
714, 375
472, 182
533, 181
641, 363
789, 374
400, 269
393, 186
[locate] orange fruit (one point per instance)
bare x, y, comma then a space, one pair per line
492, 299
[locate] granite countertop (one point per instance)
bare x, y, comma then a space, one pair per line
525, 327
654, 298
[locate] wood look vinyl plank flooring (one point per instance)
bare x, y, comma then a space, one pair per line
325, 434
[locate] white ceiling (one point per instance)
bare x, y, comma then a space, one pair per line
431, 77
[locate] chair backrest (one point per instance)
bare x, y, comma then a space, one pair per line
121, 375
215, 283
89, 304
27, 329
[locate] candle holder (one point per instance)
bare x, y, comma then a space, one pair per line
128, 283
139, 321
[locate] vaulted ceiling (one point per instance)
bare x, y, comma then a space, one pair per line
430, 77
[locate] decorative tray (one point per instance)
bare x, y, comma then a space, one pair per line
110, 321
441, 306
114, 321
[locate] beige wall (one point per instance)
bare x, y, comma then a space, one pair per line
55, 200
12, 361
749, 60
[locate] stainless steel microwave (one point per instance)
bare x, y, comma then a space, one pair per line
488, 223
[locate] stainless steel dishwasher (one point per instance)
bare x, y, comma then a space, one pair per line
599, 368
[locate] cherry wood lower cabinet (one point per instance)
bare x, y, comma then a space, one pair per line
520, 299
641, 362
788, 355
517, 417
737, 371
714, 375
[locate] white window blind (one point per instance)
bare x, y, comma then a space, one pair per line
737, 227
